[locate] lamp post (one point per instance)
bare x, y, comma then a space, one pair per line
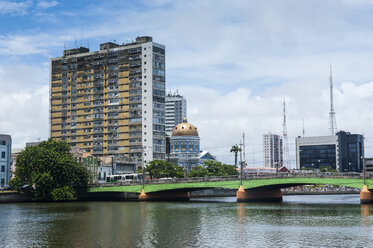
276, 165
364, 170
318, 163
241, 165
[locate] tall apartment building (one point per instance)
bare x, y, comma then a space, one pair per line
5, 159
111, 102
343, 152
272, 146
176, 111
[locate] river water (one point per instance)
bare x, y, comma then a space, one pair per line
300, 221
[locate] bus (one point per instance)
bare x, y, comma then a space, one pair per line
125, 178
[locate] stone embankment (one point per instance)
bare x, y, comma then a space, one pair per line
13, 196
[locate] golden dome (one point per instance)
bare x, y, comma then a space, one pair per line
184, 129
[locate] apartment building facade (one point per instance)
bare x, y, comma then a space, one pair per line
273, 150
5, 159
111, 102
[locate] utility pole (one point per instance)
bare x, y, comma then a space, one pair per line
364, 164
244, 149
241, 164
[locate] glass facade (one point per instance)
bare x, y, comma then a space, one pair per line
315, 156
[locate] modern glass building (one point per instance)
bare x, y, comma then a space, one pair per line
343, 152
5, 159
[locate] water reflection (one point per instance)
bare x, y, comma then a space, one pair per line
298, 222
366, 212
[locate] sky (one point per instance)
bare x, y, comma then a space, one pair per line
234, 61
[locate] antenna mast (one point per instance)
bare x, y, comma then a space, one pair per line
285, 136
303, 128
332, 120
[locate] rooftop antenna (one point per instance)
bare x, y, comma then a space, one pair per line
332, 120
75, 41
285, 136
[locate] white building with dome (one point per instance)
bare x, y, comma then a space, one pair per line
185, 145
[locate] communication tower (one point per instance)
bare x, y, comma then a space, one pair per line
285, 136
332, 120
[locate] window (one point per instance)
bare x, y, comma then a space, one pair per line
2, 154
176, 146
2, 181
3, 168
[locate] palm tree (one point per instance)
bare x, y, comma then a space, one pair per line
235, 149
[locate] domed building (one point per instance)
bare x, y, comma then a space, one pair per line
184, 145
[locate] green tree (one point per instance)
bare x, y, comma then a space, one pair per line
51, 172
161, 168
215, 168
198, 171
236, 150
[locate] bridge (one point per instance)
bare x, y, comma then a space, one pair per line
264, 187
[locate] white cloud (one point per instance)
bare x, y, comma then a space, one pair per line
24, 115
235, 61
46, 4
20, 45
222, 118
14, 8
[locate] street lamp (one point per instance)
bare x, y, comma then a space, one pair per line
364, 170
276, 165
318, 163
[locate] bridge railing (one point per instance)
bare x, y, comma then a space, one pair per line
245, 177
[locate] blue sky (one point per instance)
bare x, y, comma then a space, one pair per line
235, 61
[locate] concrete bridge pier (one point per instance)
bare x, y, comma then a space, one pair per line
259, 195
366, 196
164, 196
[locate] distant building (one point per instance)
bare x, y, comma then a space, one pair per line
257, 170
5, 159
87, 160
184, 145
272, 147
176, 111
15, 152
369, 164
34, 143
343, 152
206, 156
